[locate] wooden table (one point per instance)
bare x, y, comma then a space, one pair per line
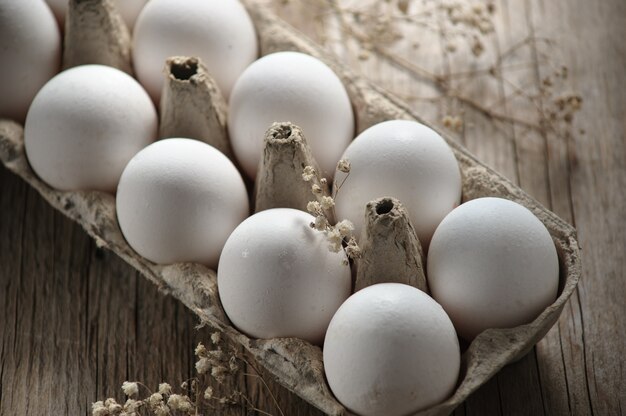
76, 321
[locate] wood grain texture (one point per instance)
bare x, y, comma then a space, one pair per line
76, 321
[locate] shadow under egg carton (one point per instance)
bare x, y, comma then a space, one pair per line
294, 363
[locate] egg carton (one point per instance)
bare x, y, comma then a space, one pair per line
294, 363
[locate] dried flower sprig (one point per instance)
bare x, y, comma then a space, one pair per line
219, 363
341, 233
372, 28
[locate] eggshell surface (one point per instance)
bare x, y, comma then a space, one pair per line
220, 33
405, 160
30, 52
278, 278
391, 350
492, 264
178, 201
295, 87
85, 125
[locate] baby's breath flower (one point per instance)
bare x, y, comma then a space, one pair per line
316, 189
203, 365
216, 337
99, 409
345, 228
130, 388
131, 406
162, 410
208, 393
334, 239
155, 399
308, 173
179, 402
323, 181
114, 408
165, 388
200, 350
110, 401
327, 202
343, 166
321, 223
314, 207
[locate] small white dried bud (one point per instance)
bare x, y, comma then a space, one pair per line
179, 402
344, 166
334, 239
110, 401
321, 223
216, 337
327, 202
203, 365
323, 181
131, 406
99, 409
162, 410
155, 399
130, 388
316, 189
165, 388
114, 408
308, 173
208, 393
200, 350
345, 228
314, 207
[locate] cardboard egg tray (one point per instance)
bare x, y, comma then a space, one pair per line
296, 364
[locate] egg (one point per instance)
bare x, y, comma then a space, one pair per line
220, 33
278, 278
30, 52
178, 201
295, 87
492, 264
84, 126
129, 9
405, 160
391, 350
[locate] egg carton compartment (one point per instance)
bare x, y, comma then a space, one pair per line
294, 363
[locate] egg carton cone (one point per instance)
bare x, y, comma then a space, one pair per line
279, 182
296, 364
95, 33
391, 251
192, 104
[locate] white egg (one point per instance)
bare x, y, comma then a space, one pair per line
179, 200
30, 52
492, 264
290, 86
278, 278
220, 33
405, 160
391, 350
129, 9
85, 125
